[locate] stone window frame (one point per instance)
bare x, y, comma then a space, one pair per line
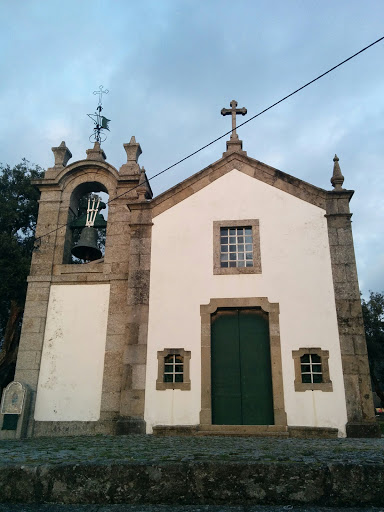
273, 311
255, 225
161, 355
326, 385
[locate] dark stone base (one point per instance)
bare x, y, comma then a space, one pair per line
371, 429
195, 483
125, 426
73, 428
175, 430
313, 432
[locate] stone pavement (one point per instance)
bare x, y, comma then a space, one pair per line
177, 508
180, 471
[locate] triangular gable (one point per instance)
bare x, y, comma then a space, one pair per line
251, 167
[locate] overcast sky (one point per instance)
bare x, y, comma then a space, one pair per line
171, 65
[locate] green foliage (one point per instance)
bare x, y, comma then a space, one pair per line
18, 216
373, 314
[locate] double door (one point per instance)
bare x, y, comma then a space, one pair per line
241, 368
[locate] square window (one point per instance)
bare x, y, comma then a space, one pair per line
241, 242
311, 370
173, 369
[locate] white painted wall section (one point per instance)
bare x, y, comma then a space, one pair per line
71, 372
296, 273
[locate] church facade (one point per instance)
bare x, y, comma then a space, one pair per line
229, 304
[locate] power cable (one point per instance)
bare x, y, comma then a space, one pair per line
230, 131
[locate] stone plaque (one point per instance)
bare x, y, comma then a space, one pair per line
13, 399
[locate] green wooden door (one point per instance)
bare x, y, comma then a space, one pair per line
241, 368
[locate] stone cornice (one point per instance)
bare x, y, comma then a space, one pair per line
250, 166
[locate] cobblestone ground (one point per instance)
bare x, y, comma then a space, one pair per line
167, 508
151, 449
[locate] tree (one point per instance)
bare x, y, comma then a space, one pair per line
18, 216
373, 314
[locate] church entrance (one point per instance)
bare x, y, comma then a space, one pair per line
241, 368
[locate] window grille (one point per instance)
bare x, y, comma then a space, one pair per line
173, 368
311, 369
236, 247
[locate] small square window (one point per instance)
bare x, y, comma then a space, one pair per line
238, 249
311, 370
173, 369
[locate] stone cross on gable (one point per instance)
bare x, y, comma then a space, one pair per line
233, 111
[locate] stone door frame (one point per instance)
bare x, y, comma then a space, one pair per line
272, 309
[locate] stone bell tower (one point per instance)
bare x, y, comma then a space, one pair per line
82, 355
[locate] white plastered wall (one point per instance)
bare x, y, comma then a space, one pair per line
71, 371
296, 273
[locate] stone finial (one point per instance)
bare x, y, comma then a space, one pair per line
142, 188
133, 151
96, 153
337, 179
62, 155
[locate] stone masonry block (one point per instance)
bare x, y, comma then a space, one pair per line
332, 236
350, 365
119, 228
137, 296
356, 308
343, 205
133, 333
132, 403
28, 377
110, 401
119, 268
28, 359
342, 254
338, 272
331, 206
117, 294
350, 326
135, 354
351, 272
38, 293
347, 291
142, 246
118, 240
343, 308
139, 279
142, 232
116, 254
345, 236
138, 376
115, 342
346, 344
336, 221
360, 344
116, 323
352, 394
143, 333
40, 269
363, 364
144, 261
33, 324
35, 309
126, 382
32, 341
113, 368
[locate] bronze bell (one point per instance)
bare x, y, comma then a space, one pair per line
86, 248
